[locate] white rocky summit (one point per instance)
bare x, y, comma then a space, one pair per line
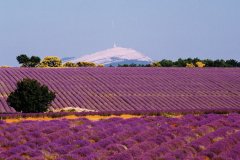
115, 56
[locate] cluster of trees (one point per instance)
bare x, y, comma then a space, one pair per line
34, 61
196, 62
26, 61
50, 61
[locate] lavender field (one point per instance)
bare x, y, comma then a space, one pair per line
208, 136
132, 89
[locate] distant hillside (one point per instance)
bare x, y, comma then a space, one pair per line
66, 59
115, 56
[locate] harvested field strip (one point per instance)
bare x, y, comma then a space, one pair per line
69, 117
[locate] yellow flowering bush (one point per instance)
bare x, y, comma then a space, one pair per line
100, 65
156, 64
69, 64
51, 61
190, 65
86, 64
200, 64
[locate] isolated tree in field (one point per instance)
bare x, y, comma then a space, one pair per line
25, 61
51, 61
30, 97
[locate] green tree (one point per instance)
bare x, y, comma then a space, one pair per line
180, 63
132, 65
208, 62
195, 60
219, 63
125, 65
34, 61
25, 61
231, 63
166, 63
30, 97
188, 60
23, 58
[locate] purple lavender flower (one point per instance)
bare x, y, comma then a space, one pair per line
83, 152
121, 156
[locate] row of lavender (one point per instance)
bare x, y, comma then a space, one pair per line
209, 136
123, 89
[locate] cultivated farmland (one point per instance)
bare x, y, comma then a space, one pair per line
150, 129
132, 89
198, 137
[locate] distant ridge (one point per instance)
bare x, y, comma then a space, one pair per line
66, 59
115, 56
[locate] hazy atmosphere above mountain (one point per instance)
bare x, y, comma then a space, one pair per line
159, 29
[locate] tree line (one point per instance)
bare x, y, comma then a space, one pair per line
53, 61
189, 62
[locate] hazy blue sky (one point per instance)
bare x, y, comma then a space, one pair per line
158, 28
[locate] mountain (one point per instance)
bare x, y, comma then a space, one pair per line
115, 56
66, 59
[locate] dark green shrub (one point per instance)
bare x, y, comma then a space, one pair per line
30, 97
